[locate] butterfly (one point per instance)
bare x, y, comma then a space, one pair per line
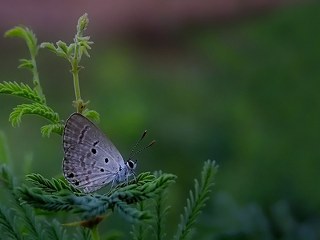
91, 161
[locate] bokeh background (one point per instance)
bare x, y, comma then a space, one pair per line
232, 81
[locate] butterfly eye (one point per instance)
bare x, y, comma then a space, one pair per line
131, 164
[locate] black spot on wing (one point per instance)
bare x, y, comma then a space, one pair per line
70, 175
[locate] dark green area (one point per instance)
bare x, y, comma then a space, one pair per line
244, 95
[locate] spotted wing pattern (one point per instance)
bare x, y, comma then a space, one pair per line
91, 160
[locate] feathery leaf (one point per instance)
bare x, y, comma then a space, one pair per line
49, 186
26, 34
56, 231
46, 130
161, 211
91, 114
196, 200
8, 224
21, 90
4, 149
33, 228
32, 108
26, 63
90, 206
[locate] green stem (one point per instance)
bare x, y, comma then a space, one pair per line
76, 85
75, 73
95, 233
36, 80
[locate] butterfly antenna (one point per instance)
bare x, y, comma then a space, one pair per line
142, 149
132, 153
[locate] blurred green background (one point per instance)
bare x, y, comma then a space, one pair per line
243, 92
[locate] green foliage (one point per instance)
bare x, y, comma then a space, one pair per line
21, 90
46, 130
35, 94
161, 210
196, 200
4, 151
91, 114
195, 204
92, 206
49, 186
74, 51
8, 224
32, 108
56, 232
73, 54
27, 35
18, 220
140, 229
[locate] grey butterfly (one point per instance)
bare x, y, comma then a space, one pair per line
91, 161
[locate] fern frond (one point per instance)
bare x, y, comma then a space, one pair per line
91, 114
26, 34
83, 234
90, 206
138, 230
49, 186
4, 149
20, 90
129, 213
6, 178
33, 108
47, 202
46, 130
33, 227
196, 200
55, 231
161, 211
8, 225
27, 64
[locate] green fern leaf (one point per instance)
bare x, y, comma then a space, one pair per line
26, 63
46, 130
49, 46
4, 149
8, 224
139, 230
129, 213
33, 108
161, 211
20, 90
55, 231
6, 178
91, 114
49, 186
196, 200
83, 234
91, 206
32, 226
26, 34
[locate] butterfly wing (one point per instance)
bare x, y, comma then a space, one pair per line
91, 160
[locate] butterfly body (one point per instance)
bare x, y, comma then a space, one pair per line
91, 161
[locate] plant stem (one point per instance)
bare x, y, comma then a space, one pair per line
36, 80
76, 85
95, 233
75, 74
